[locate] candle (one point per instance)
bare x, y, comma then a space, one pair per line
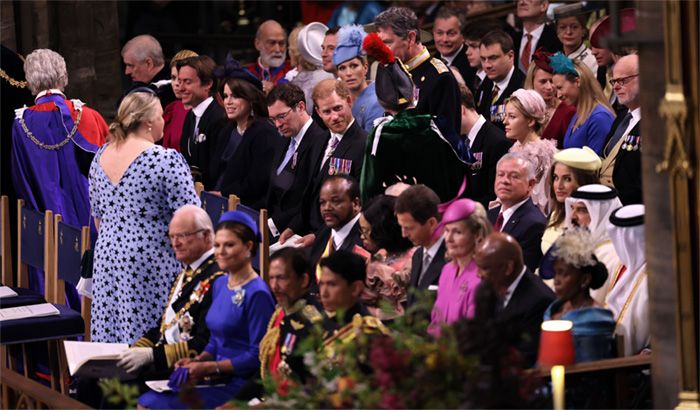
558, 386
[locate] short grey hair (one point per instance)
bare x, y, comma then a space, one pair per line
518, 156
45, 69
199, 217
400, 20
143, 47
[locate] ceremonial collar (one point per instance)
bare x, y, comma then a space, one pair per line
196, 264
419, 59
49, 92
297, 306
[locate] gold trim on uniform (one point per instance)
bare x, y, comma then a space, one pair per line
143, 342
419, 59
269, 342
176, 351
439, 65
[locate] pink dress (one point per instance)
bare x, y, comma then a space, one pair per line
174, 117
456, 296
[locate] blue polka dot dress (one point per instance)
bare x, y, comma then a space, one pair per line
134, 264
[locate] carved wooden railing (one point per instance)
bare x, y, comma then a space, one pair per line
19, 392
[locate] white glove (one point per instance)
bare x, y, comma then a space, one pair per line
134, 358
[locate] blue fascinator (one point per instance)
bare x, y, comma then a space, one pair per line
233, 69
241, 218
349, 43
562, 64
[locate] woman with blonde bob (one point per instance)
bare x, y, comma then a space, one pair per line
576, 85
465, 225
135, 187
525, 112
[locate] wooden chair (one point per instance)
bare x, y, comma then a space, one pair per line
216, 205
262, 264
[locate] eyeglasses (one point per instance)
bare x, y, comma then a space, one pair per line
622, 80
281, 117
184, 235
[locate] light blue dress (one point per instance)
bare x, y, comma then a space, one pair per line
366, 108
237, 320
592, 133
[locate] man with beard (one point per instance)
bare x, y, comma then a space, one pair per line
271, 43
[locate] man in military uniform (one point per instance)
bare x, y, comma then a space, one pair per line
182, 331
436, 86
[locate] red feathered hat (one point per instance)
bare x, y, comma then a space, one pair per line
393, 83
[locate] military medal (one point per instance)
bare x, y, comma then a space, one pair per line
636, 144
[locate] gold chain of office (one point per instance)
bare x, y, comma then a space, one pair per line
54, 147
12, 81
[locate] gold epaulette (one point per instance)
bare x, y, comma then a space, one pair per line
311, 314
269, 342
177, 351
365, 324
439, 65
143, 342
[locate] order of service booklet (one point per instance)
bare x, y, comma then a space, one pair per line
95, 360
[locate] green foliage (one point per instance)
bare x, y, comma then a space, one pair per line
118, 394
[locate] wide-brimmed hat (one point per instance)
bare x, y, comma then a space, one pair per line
309, 42
580, 158
627, 22
576, 248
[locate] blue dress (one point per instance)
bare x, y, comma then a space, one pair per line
237, 320
366, 108
592, 132
593, 331
134, 264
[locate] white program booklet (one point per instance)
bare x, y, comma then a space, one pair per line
23, 312
95, 360
289, 243
7, 292
161, 386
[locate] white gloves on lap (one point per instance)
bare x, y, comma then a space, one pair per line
135, 358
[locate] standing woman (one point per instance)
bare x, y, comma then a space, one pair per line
572, 31
525, 111
135, 187
249, 140
559, 113
174, 114
466, 225
241, 308
576, 85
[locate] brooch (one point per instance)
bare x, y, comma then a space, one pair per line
238, 297
186, 323
200, 138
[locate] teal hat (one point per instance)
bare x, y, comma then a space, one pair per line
349, 43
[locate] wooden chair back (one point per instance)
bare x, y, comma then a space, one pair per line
34, 245
216, 205
7, 275
262, 263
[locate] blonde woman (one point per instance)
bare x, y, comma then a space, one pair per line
576, 85
525, 112
135, 187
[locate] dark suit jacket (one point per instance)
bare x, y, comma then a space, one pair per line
461, 63
483, 97
247, 172
526, 225
488, 147
549, 41
627, 171
438, 93
524, 314
351, 147
286, 192
432, 275
204, 157
323, 235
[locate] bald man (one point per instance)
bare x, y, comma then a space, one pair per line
523, 297
271, 43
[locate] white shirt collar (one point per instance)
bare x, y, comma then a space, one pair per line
636, 117
511, 288
475, 129
481, 74
194, 265
508, 213
536, 34
340, 136
49, 91
451, 58
504, 83
302, 131
201, 107
433, 248
576, 53
342, 233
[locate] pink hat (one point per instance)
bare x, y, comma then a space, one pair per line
532, 102
458, 210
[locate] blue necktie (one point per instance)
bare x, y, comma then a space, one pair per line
464, 151
290, 152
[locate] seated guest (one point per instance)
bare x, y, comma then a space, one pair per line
295, 317
240, 310
576, 271
590, 207
307, 55
339, 203
629, 297
271, 43
248, 142
473, 33
517, 215
497, 60
199, 144
466, 225
175, 113
486, 145
449, 41
351, 63
576, 86
183, 329
570, 21
572, 168
523, 297
145, 64
525, 111
559, 113
294, 163
417, 213
536, 32
340, 287
389, 253
327, 49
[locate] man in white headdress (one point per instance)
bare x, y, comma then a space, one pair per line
628, 297
590, 206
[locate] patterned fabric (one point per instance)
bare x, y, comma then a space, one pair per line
541, 153
134, 264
